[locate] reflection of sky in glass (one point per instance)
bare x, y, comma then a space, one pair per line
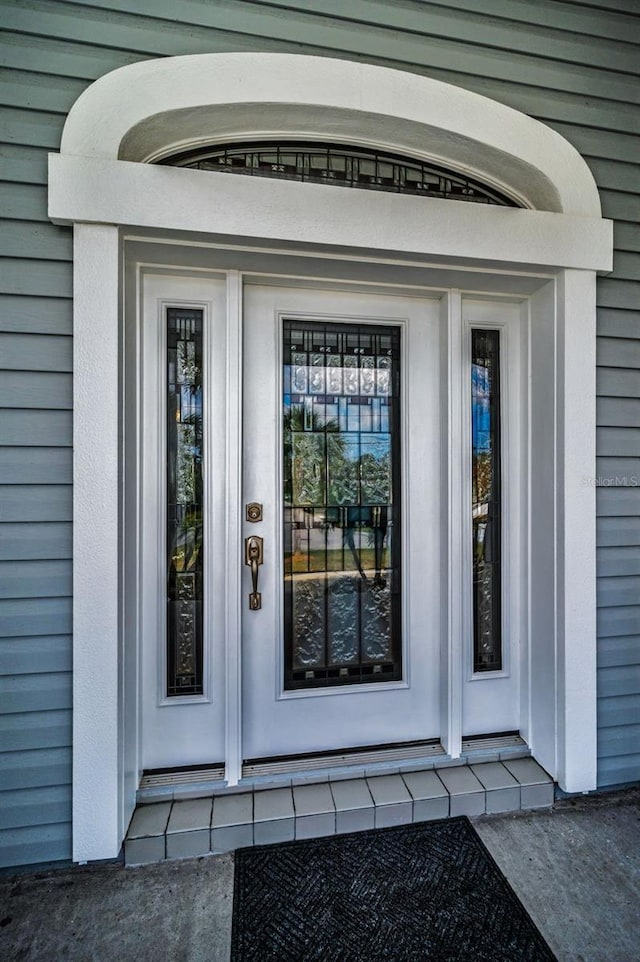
376, 447
190, 402
481, 415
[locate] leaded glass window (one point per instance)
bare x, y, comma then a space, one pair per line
184, 502
341, 166
341, 412
486, 500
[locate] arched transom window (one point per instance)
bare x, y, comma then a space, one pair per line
340, 166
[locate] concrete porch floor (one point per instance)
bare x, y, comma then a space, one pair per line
575, 867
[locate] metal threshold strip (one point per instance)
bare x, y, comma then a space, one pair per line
344, 758
166, 778
487, 743
258, 768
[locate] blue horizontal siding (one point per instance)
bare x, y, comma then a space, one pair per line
618, 621
42, 278
36, 502
618, 470
36, 389
46, 539
618, 769
26, 165
36, 352
618, 500
24, 239
616, 323
618, 412
25, 89
620, 590
619, 680
32, 465
31, 128
613, 532
36, 844
46, 691
620, 711
47, 579
39, 428
37, 806
39, 655
35, 730
614, 741
619, 352
616, 652
35, 616
35, 315
23, 201
618, 441
619, 560
618, 382
38, 768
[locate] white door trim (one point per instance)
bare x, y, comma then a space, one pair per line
566, 240
233, 533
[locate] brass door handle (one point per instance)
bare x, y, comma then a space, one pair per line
253, 558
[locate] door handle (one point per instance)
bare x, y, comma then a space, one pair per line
253, 558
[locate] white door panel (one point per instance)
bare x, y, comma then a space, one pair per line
278, 721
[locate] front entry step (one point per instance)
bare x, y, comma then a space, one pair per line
213, 825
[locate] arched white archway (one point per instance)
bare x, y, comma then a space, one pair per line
103, 183
149, 109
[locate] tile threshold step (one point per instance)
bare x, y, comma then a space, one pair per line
216, 823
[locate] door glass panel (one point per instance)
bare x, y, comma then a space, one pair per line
184, 502
486, 500
341, 417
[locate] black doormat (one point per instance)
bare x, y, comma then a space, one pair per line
428, 891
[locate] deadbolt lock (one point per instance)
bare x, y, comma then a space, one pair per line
254, 511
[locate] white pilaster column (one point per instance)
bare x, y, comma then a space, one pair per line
97, 815
576, 513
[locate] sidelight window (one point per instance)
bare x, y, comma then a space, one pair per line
486, 500
184, 452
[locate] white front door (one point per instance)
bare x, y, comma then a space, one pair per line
345, 406
341, 448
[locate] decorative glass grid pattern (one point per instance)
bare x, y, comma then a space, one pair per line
486, 500
341, 411
341, 166
184, 502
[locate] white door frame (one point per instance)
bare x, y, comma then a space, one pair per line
553, 250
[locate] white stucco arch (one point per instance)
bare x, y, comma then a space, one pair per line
146, 110
103, 183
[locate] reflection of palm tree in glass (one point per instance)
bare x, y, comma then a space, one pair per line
347, 476
300, 420
186, 544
